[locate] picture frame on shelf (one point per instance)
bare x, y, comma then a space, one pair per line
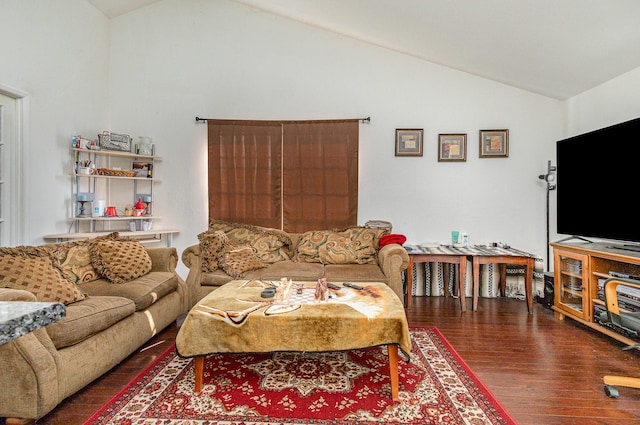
409, 141
494, 143
452, 147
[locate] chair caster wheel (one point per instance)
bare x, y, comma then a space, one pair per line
611, 391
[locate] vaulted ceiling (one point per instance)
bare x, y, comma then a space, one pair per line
557, 48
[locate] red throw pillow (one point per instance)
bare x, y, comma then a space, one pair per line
392, 238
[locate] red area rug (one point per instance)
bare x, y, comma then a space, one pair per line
352, 387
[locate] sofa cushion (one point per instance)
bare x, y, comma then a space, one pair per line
218, 277
356, 245
354, 273
212, 245
240, 259
120, 261
143, 291
310, 272
36, 274
74, 258
87, 318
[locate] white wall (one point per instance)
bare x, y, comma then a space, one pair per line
176, 60
613, 102
151, 72
57, 52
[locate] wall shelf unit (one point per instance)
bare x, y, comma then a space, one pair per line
111, 178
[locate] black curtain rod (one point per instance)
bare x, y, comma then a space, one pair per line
362, 120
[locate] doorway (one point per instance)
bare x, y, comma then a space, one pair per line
12, 108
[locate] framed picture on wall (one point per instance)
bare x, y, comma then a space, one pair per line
409, 142
452, 147
494, 143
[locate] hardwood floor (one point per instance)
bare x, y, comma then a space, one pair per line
544, 371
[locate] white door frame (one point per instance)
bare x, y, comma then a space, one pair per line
17, 231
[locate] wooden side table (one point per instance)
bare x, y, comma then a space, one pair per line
449, 258
480, 254
502, 260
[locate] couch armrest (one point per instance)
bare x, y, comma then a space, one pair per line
8, 294
163, 259
191, 257
394, 260
29, 375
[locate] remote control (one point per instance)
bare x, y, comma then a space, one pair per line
352, 285
268, 292
332, 285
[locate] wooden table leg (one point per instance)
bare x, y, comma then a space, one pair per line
462, 283
528, 283
393, 369
409, 282
476, 282
199, 372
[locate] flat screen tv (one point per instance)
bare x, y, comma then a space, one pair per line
598, 182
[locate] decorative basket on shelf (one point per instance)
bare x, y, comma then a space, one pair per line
116, 173
114, 141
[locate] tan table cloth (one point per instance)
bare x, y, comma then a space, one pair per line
234, 318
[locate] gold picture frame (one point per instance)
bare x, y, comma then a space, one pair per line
452, 147
409, 141
494, 143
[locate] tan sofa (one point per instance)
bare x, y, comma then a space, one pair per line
105, 321
350, 255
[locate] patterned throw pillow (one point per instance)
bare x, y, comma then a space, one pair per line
354, 245
37, 275
239, 260
212, 249
73, 259
270, 245
120, 261
338, 249
308, 246
366, 241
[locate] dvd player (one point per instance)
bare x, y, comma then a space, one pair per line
624, 275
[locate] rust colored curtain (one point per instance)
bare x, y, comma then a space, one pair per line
320, 175
294, 176
245, 179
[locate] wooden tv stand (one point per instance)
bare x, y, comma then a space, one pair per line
578, 266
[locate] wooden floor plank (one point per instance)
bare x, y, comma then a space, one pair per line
541, 369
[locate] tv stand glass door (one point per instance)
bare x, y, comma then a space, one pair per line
571, 291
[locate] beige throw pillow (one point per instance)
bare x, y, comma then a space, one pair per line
212, 246
74, 259
354, 245
120, 261
239, 260
38, 276
269, 244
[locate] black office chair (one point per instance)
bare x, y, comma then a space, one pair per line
626, 323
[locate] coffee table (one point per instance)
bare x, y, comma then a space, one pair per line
236, 319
